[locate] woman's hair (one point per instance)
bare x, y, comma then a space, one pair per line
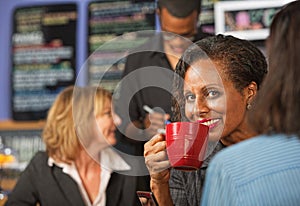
242, 63
59, 133
277, 107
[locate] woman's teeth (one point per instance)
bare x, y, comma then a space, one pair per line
210, 122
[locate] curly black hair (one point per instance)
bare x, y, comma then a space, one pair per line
241, 60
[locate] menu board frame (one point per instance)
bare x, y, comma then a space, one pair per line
56, 45
111, 60
221, 9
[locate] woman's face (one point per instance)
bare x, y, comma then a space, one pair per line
212, 99
107, 122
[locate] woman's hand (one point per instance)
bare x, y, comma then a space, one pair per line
156, 159
157, 162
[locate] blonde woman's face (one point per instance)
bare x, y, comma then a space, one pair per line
106, 123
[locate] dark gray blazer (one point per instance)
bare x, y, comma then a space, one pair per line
50, 186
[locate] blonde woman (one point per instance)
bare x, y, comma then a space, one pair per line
79, 165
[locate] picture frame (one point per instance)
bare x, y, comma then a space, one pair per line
246, 19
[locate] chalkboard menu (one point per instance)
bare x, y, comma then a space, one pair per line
43, 57
109, 20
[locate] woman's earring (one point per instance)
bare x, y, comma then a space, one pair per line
249, 106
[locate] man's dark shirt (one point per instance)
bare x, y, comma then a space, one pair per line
152, 68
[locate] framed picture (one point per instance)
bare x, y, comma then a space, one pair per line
246, 19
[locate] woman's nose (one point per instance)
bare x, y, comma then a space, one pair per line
201, 107
117, 119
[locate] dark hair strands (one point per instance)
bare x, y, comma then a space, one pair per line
277, 108
241, 61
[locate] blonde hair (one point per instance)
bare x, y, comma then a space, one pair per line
59, 134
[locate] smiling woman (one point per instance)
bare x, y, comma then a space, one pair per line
216, 80
265, 170
79, 166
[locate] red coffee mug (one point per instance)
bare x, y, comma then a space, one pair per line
186, 144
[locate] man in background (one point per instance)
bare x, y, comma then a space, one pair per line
151, 72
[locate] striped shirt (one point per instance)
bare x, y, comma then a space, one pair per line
260, 171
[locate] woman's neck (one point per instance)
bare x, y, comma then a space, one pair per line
84, 162
241, 133
89, 171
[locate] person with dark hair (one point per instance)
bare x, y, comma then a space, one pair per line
265, 170
216, 80
151, 68
178, 8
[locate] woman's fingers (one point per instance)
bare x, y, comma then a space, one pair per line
157, 162
155, 144
156, 158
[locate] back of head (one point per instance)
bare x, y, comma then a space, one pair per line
277, 107
59, 134
180, 8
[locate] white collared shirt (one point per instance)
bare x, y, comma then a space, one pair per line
110, 161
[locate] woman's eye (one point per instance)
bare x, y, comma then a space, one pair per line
190, 98
109, 114
213, 94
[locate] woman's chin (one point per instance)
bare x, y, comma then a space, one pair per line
214, 139
214, 136
111, 140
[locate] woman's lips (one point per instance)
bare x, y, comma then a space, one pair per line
211, 123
